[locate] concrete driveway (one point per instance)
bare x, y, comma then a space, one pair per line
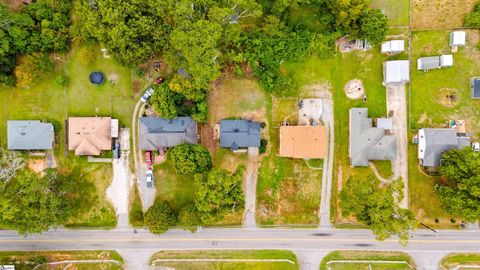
251, 176
397, 109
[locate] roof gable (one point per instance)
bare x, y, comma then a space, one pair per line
29, 135
89, 135
239, 133
307, 142
155, 132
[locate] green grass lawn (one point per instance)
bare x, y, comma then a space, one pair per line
366, 255
135, 214
396, 10
363, 65
24, 260
223, 254
455, 259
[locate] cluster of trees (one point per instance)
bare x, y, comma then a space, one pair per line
40, 27
201, 37
30, 203
217, 191
473, 18
375, 207
460, 190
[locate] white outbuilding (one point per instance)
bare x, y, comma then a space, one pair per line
446, 60
457, 38
393, 46
397, 71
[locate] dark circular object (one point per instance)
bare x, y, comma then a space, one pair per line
96, 77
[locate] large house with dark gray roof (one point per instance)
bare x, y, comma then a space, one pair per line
155, 133
29, 135
433, 142
236, 134
368, 142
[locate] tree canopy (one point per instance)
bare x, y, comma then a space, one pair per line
190, 158
10, 163
460, 194
473, 19
375, 207
164, 101
219, 192
373, 26
159, 217
31, 204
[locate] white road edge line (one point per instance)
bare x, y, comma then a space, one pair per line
222, 260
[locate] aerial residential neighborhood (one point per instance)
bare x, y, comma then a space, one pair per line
259, 134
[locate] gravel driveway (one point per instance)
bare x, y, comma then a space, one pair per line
327, 118
397, 108
251, 176
119, 190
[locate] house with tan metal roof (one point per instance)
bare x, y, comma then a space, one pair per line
89, 136
307, 142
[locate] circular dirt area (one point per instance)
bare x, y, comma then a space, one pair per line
448, 97
354, 89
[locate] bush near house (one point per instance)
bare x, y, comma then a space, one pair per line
190, 158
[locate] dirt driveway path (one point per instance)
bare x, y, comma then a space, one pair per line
119, 190
327, 118
397, 107
251, 176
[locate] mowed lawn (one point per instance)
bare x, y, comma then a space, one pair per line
398, 11
456, 259
365, 66
430, 107
49, 101
287, 260
328, 263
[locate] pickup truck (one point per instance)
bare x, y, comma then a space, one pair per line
148, 94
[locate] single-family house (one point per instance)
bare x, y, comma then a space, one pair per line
397, 71
457, 38
236, 134
155, 133
89, 136
306, 142
475, 87
29, 135
433, 142
393, 46
367, 142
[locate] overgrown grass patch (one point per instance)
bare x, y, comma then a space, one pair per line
396, 10
284, 110
291, 264
434, 14
24, 260
366, 256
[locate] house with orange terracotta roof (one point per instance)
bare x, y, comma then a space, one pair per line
306, 142
89, 136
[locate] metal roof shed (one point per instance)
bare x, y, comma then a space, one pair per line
397, 71
475, 87
427, 63
457, 38
446, 60
393, 46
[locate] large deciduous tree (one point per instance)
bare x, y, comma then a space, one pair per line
164, 100
10, 163
460, 194
219, 192
159, 217
373, 26
375, 207
190, 158
347, 14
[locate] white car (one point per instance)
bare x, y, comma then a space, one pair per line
147, 95
149, 178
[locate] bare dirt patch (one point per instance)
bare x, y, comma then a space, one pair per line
113, 78
440, 14
448, 97
354, 89
322, 89
423, 118
37, 165
207, 137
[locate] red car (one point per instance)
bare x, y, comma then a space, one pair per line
159, 80
148, 158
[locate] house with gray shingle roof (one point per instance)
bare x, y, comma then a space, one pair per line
236, 134
367, 142
433, 142
155, 133
29, 135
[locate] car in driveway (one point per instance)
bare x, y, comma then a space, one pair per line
148, 94
148, 159
149, 181
116, 150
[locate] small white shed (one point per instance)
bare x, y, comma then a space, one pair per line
393, 46
457, 38
397, 71
446, 60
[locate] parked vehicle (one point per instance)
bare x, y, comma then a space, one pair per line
149, 178
148, 159
148, 94
159, 80
116, 150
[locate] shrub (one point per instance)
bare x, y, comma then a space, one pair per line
263, 146
188, 216
61, 80
190, 158
159, 217
473, 19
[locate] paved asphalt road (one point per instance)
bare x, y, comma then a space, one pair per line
309, 244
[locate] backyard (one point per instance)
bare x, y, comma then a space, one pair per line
235, 260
